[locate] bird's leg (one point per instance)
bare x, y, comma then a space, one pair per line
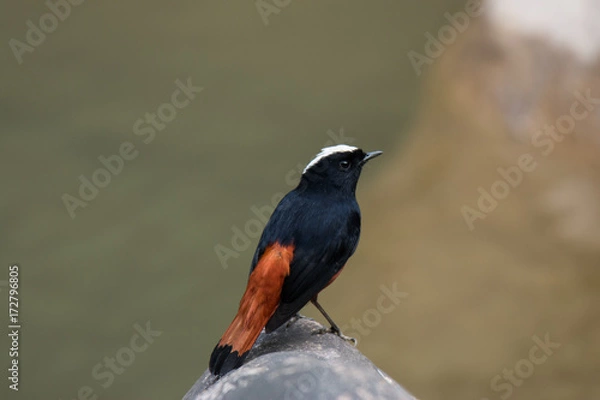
334, 328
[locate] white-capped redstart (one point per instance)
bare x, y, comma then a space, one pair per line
303, 248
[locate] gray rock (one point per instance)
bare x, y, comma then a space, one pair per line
293, 364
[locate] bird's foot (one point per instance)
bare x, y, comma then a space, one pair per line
336, 332
348, 339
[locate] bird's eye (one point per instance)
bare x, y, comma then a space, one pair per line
344, 165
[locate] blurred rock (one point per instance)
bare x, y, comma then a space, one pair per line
293, 364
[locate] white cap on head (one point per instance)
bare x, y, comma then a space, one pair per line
327, 151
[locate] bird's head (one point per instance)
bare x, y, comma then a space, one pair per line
336, 168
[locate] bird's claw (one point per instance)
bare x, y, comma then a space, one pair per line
321, 331
336, 332
348, 339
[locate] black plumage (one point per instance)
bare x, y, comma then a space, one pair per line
320, 220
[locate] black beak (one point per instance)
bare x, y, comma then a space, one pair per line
371, 155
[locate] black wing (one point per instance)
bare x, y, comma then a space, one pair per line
323, 243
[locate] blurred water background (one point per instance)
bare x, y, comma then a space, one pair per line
142, 250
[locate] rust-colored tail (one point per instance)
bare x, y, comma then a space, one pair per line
258, 304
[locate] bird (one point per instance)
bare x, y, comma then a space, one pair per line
307, 241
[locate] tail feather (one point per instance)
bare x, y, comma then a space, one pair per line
235, 344
258, 304
224, 360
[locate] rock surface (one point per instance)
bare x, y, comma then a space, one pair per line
293, 364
